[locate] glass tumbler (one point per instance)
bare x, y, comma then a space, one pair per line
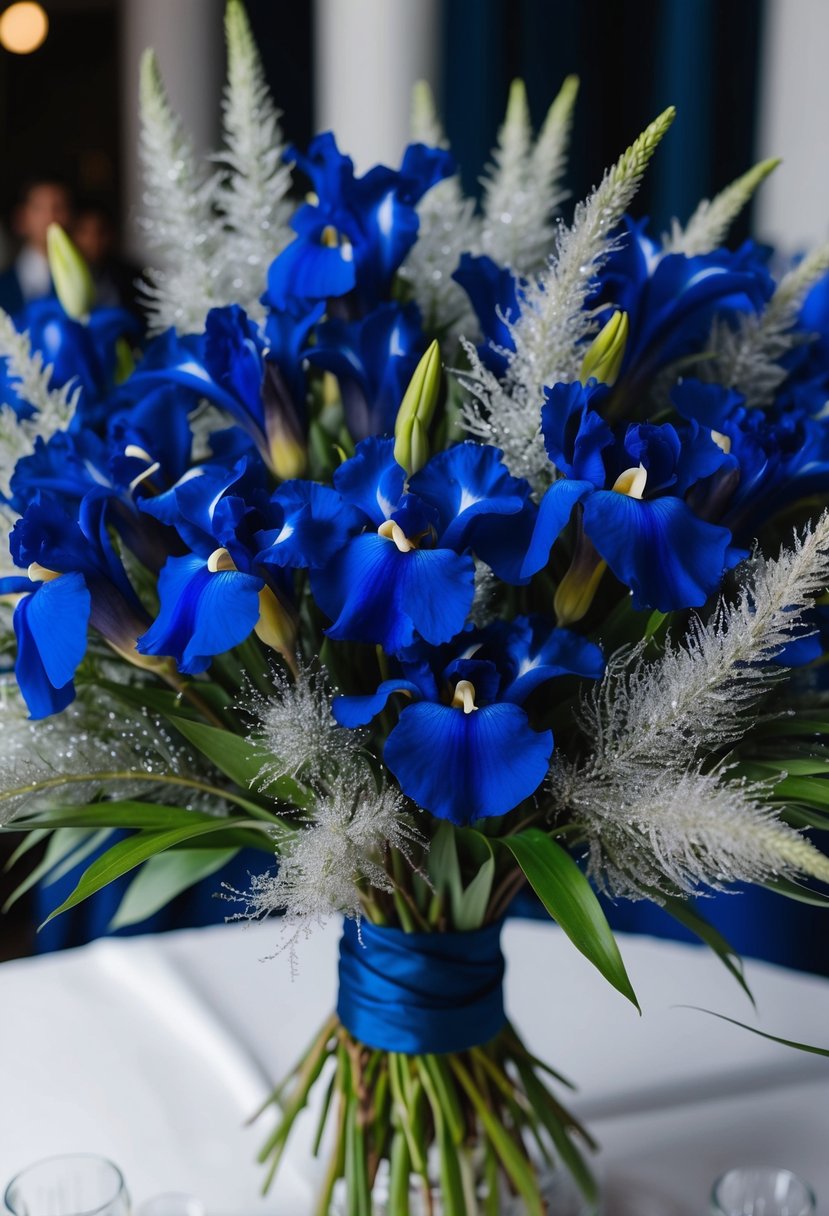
75, 1185
761, 1191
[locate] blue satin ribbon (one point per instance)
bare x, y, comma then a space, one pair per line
421, 993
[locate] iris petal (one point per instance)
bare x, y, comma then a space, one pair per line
537, 652
50, 626
317, 523
375, 593
553, 513
668, 557
464, 766
202, 613
372, 479
359, 711
464, 483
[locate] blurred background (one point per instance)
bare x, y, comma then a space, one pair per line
748, 78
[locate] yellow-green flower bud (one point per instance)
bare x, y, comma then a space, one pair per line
603, 359
70, 274
411, 429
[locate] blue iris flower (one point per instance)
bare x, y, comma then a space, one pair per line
357, 233
214, 597
671, 299
74, 579
409, 573
463, 747
254, 375
633, 484
776, 456
83, 353
494, 293
374, 359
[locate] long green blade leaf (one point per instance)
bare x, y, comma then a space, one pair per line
238, 759
165, 876
571, 901
773, 1038
127, 854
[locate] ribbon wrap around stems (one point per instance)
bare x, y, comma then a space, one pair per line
421, 993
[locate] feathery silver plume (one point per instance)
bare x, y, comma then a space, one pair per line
647, 807
179, 217
92, 747
297, 735
554, 322
54, 408
524, 186
447, 228
323, 866
253, 196
708, 226
748, 357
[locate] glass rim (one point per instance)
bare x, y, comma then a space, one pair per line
121, 1185
776, 1170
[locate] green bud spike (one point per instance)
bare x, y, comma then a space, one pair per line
425, 126
604, 355
70, 274
411, 430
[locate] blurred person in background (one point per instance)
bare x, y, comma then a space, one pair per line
42, 201
93, 231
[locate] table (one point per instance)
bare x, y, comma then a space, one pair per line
155, 1050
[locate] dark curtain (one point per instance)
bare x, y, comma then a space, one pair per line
634, 57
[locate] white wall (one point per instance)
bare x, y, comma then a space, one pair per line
188, 38
793, 205
368, 54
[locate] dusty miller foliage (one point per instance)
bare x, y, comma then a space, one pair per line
554, 323
53, 408
747, 357
214, 229
357, 814
656, 815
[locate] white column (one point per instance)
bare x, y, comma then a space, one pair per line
793, 205
368, 54
187, 36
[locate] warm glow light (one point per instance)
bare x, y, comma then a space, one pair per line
23, 27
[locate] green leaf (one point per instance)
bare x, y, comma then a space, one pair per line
571, 901
126, 855
147, 816
238, 759
162, 878
795, 890
793, 1043
472, 908
71, 845
687, 915
444, 867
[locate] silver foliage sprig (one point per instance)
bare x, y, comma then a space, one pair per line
93, 747
655, 814
554, 321
252, 196
748, 356
54, 408
448, 227
708, 226
523, 186
358, 815
179, 214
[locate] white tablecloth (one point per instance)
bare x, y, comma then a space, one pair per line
154, 1052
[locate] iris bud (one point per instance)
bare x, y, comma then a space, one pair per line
411, 429
604, 355
70, 274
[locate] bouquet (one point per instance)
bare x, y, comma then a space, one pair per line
434, 551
